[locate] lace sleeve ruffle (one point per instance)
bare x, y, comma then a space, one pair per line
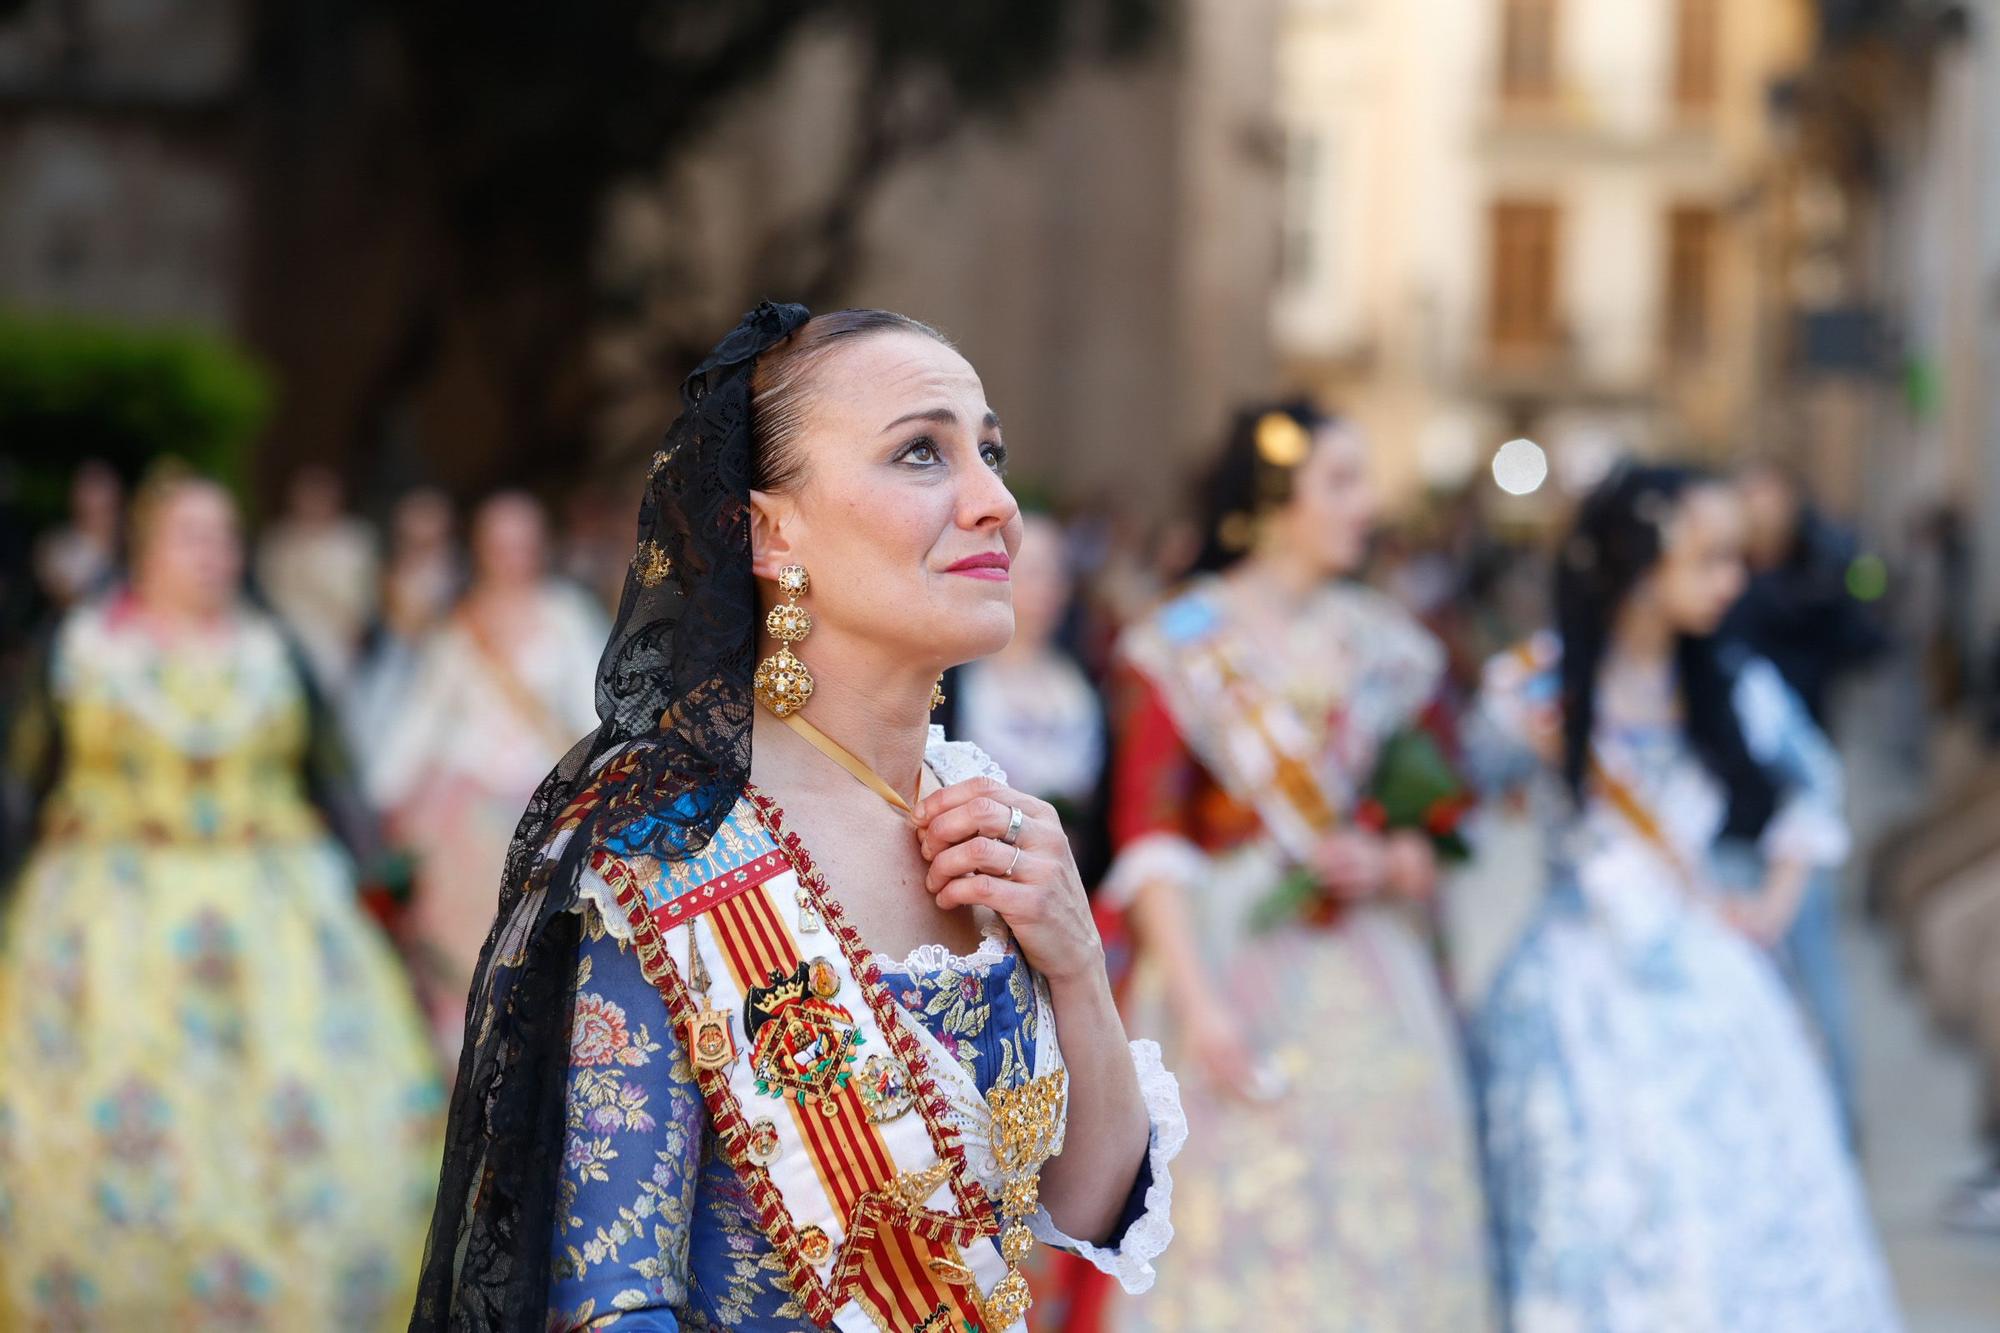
1130, 1260
592, 891
1151, 858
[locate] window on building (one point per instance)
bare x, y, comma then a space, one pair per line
1697, 53
1524, 287
1299, 252
1527, 50
1690, 274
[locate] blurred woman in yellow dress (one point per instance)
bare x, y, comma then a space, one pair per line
217, 1107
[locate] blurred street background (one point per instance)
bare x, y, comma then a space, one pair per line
373, 264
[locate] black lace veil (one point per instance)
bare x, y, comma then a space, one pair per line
668, 760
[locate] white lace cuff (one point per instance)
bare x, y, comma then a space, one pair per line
1150, 859
1147, 1236
593, 891
1804, 830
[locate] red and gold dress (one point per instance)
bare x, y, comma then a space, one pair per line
1347, 1195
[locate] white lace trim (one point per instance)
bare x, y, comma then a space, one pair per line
1148, 1236
933, 958
959, 761
1158, 857
592, 891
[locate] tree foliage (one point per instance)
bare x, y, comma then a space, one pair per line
493, 133
72, 389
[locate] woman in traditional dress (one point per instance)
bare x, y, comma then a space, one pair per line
317, 566
422, 580
1330, 1180
1663, 1147
500, 691
217, 1107
766, 1034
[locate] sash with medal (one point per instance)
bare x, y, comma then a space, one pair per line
1538, 656
822, 1096
1246, 734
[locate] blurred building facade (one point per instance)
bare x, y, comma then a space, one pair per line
121, 184
1901, 113
1106, 259
1536, 217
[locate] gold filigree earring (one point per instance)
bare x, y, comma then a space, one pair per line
782, 683
937, 693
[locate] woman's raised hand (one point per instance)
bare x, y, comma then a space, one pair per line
1032, 882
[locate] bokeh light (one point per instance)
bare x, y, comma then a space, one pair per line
1520, 467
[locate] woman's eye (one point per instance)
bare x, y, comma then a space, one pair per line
995, 456
922, 451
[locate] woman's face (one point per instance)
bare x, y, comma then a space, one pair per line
1332, 508
510, 540
1041, 581
901, 517
422, 522
192, 555
1700, 574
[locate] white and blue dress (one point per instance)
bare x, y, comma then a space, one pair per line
654, 1230
1663, 1151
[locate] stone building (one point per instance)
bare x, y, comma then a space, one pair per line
1537, 217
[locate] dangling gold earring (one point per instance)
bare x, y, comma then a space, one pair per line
782, 683
937, 693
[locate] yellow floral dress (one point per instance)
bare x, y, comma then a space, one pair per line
217, 1105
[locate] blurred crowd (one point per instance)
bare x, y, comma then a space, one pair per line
402, 687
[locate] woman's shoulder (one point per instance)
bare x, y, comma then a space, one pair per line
1193, 611
1767, 708
1382, 628
1520, 688
111, 628
1528, 665
575, 614
646, 864
1191, 615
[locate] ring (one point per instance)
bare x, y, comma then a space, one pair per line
1008, 873
1013, 833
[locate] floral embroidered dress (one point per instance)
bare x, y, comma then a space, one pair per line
1350, 1197
1662, 1143
217, 1107
655, 1230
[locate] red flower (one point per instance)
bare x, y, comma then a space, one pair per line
597, 1035
1372, 815
1445, 815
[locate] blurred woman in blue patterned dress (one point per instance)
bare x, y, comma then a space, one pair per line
1664, 1152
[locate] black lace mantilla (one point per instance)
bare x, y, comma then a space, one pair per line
668, 760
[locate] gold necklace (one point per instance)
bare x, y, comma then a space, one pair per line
860, 771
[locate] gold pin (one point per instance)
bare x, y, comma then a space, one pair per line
709, 1041
814, 1246
764, 1146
